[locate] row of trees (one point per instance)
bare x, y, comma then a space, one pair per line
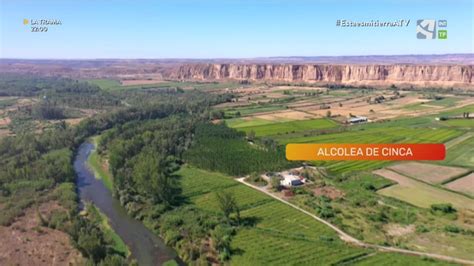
56, 90
144, 156
219, 148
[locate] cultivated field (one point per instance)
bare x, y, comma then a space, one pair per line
280, 235
382, 259
285, 115
419, 193
430, 173
111, 84
376, 105
365, 212
464, 184
248, 122
131, 82
371, 135
461, 154
289, 127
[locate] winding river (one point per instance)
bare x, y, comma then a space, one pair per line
146, 247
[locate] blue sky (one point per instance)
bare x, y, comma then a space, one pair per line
227, 28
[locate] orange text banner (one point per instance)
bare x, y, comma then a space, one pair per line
370, 152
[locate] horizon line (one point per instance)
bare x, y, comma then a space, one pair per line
230, 58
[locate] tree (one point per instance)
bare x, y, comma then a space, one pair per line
251, 135
221, 236
92, 243
165, 184
154, 177
443, 207
228, 205
217, 114
275, 182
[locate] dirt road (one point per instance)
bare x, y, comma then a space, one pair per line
352, 240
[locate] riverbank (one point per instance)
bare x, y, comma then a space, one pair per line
110, 235
144, 245
98, 166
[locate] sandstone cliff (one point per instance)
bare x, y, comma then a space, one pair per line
418, 75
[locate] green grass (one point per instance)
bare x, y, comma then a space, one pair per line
252, 109
109, 234
247, 122
170, 263
95, 163
467, 123
446, 102
105, 84
175, 84
459, 111
461, 154
395, 259
423, 195
289, 127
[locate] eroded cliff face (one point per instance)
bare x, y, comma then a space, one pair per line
419, 75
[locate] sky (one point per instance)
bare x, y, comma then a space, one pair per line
227, 28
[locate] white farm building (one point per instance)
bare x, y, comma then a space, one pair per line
290, 180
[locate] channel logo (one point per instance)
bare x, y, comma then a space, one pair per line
426, 29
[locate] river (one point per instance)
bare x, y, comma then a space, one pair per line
145, 247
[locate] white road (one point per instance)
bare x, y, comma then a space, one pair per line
352, 240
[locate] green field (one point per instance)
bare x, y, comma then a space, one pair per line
279, 235
459, 111
247, 122
289, 127
105, 84
446, 102
394, 259
423, 195
252, 109
461, 154
374, 135
108, 84
467, 123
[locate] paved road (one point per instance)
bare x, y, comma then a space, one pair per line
352, 240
